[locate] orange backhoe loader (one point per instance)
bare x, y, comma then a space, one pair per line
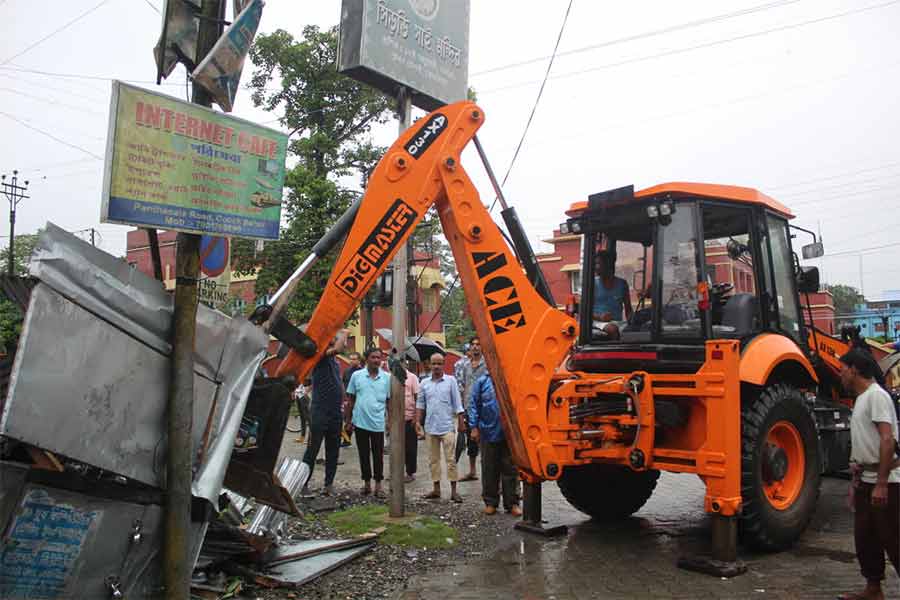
708, 374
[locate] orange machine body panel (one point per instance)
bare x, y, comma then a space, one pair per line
732, 193
765, 352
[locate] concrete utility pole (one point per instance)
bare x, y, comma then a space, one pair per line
398, 334
177, 563
14, 193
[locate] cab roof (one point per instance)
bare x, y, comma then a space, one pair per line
730, 193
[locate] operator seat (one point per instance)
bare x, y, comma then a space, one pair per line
739, 316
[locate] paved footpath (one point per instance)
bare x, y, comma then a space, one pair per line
635, 558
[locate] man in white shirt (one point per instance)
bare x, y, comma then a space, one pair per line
876, 497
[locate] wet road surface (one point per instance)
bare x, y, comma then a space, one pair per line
636, 558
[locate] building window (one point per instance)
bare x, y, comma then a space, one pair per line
429, 300
575, 281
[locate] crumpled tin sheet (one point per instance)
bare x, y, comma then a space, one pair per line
299, 572
294, 474
93, 361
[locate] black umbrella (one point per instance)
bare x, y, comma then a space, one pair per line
418, 348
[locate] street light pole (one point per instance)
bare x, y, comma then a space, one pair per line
398, 335
14, 193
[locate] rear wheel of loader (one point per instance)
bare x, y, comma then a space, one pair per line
607, 492
779, 468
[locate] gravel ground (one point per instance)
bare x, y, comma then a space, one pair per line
384, 571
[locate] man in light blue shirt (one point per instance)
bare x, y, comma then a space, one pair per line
368, 392
439, 402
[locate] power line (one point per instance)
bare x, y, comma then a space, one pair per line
861, 250
536, 101
153, 6
51, 166
702, 46
644, 35
864, 233
95, 98
79, 76
846, 195
50, 135
837, 187
54, 32
51, 101
831, 177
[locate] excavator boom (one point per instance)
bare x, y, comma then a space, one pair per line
524, 338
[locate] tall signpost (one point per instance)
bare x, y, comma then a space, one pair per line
416, 51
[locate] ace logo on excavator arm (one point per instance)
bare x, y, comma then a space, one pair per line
500, 293
373, 252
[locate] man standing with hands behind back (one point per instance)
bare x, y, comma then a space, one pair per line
876, 493
440, 404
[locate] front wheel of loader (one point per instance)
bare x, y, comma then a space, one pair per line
779, 468
607, 492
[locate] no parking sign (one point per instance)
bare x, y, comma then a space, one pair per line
215, 270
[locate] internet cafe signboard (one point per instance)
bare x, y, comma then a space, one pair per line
183, 167
420, 44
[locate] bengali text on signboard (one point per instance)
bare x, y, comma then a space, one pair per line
183, 167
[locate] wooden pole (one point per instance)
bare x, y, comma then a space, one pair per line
177, 563
398, 334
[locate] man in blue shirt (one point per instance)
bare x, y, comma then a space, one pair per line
439, 402
496, 461
611, 297
368, 392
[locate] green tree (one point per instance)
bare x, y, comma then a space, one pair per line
23, 248
846, 298
329, 117
10, 315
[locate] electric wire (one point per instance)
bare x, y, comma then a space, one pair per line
51, 101
153, 6
80, 76
643, 35
511, 163
52, 33
861, 250
536, 102
50, 135
702, 46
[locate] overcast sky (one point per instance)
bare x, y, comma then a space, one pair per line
797, 98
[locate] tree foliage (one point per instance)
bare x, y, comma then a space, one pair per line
846, 298
329, 117
10, 315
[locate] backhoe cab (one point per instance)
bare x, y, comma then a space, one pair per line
691, 332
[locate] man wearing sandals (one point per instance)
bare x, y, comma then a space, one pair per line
876, 482
440, 404
368, 392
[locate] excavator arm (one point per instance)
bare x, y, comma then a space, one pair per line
524, 338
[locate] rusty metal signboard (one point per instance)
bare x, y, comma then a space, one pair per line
422, 45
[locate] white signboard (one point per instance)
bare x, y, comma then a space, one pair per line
422, 45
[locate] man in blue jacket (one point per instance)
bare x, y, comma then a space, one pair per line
496, 462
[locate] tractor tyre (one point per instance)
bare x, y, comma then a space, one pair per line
779, 468
607, 492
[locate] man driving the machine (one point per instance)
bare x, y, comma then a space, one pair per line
611, 297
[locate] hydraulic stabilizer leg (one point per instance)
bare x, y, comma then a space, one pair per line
724, 560
532, 521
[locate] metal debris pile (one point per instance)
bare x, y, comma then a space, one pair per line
243, 546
